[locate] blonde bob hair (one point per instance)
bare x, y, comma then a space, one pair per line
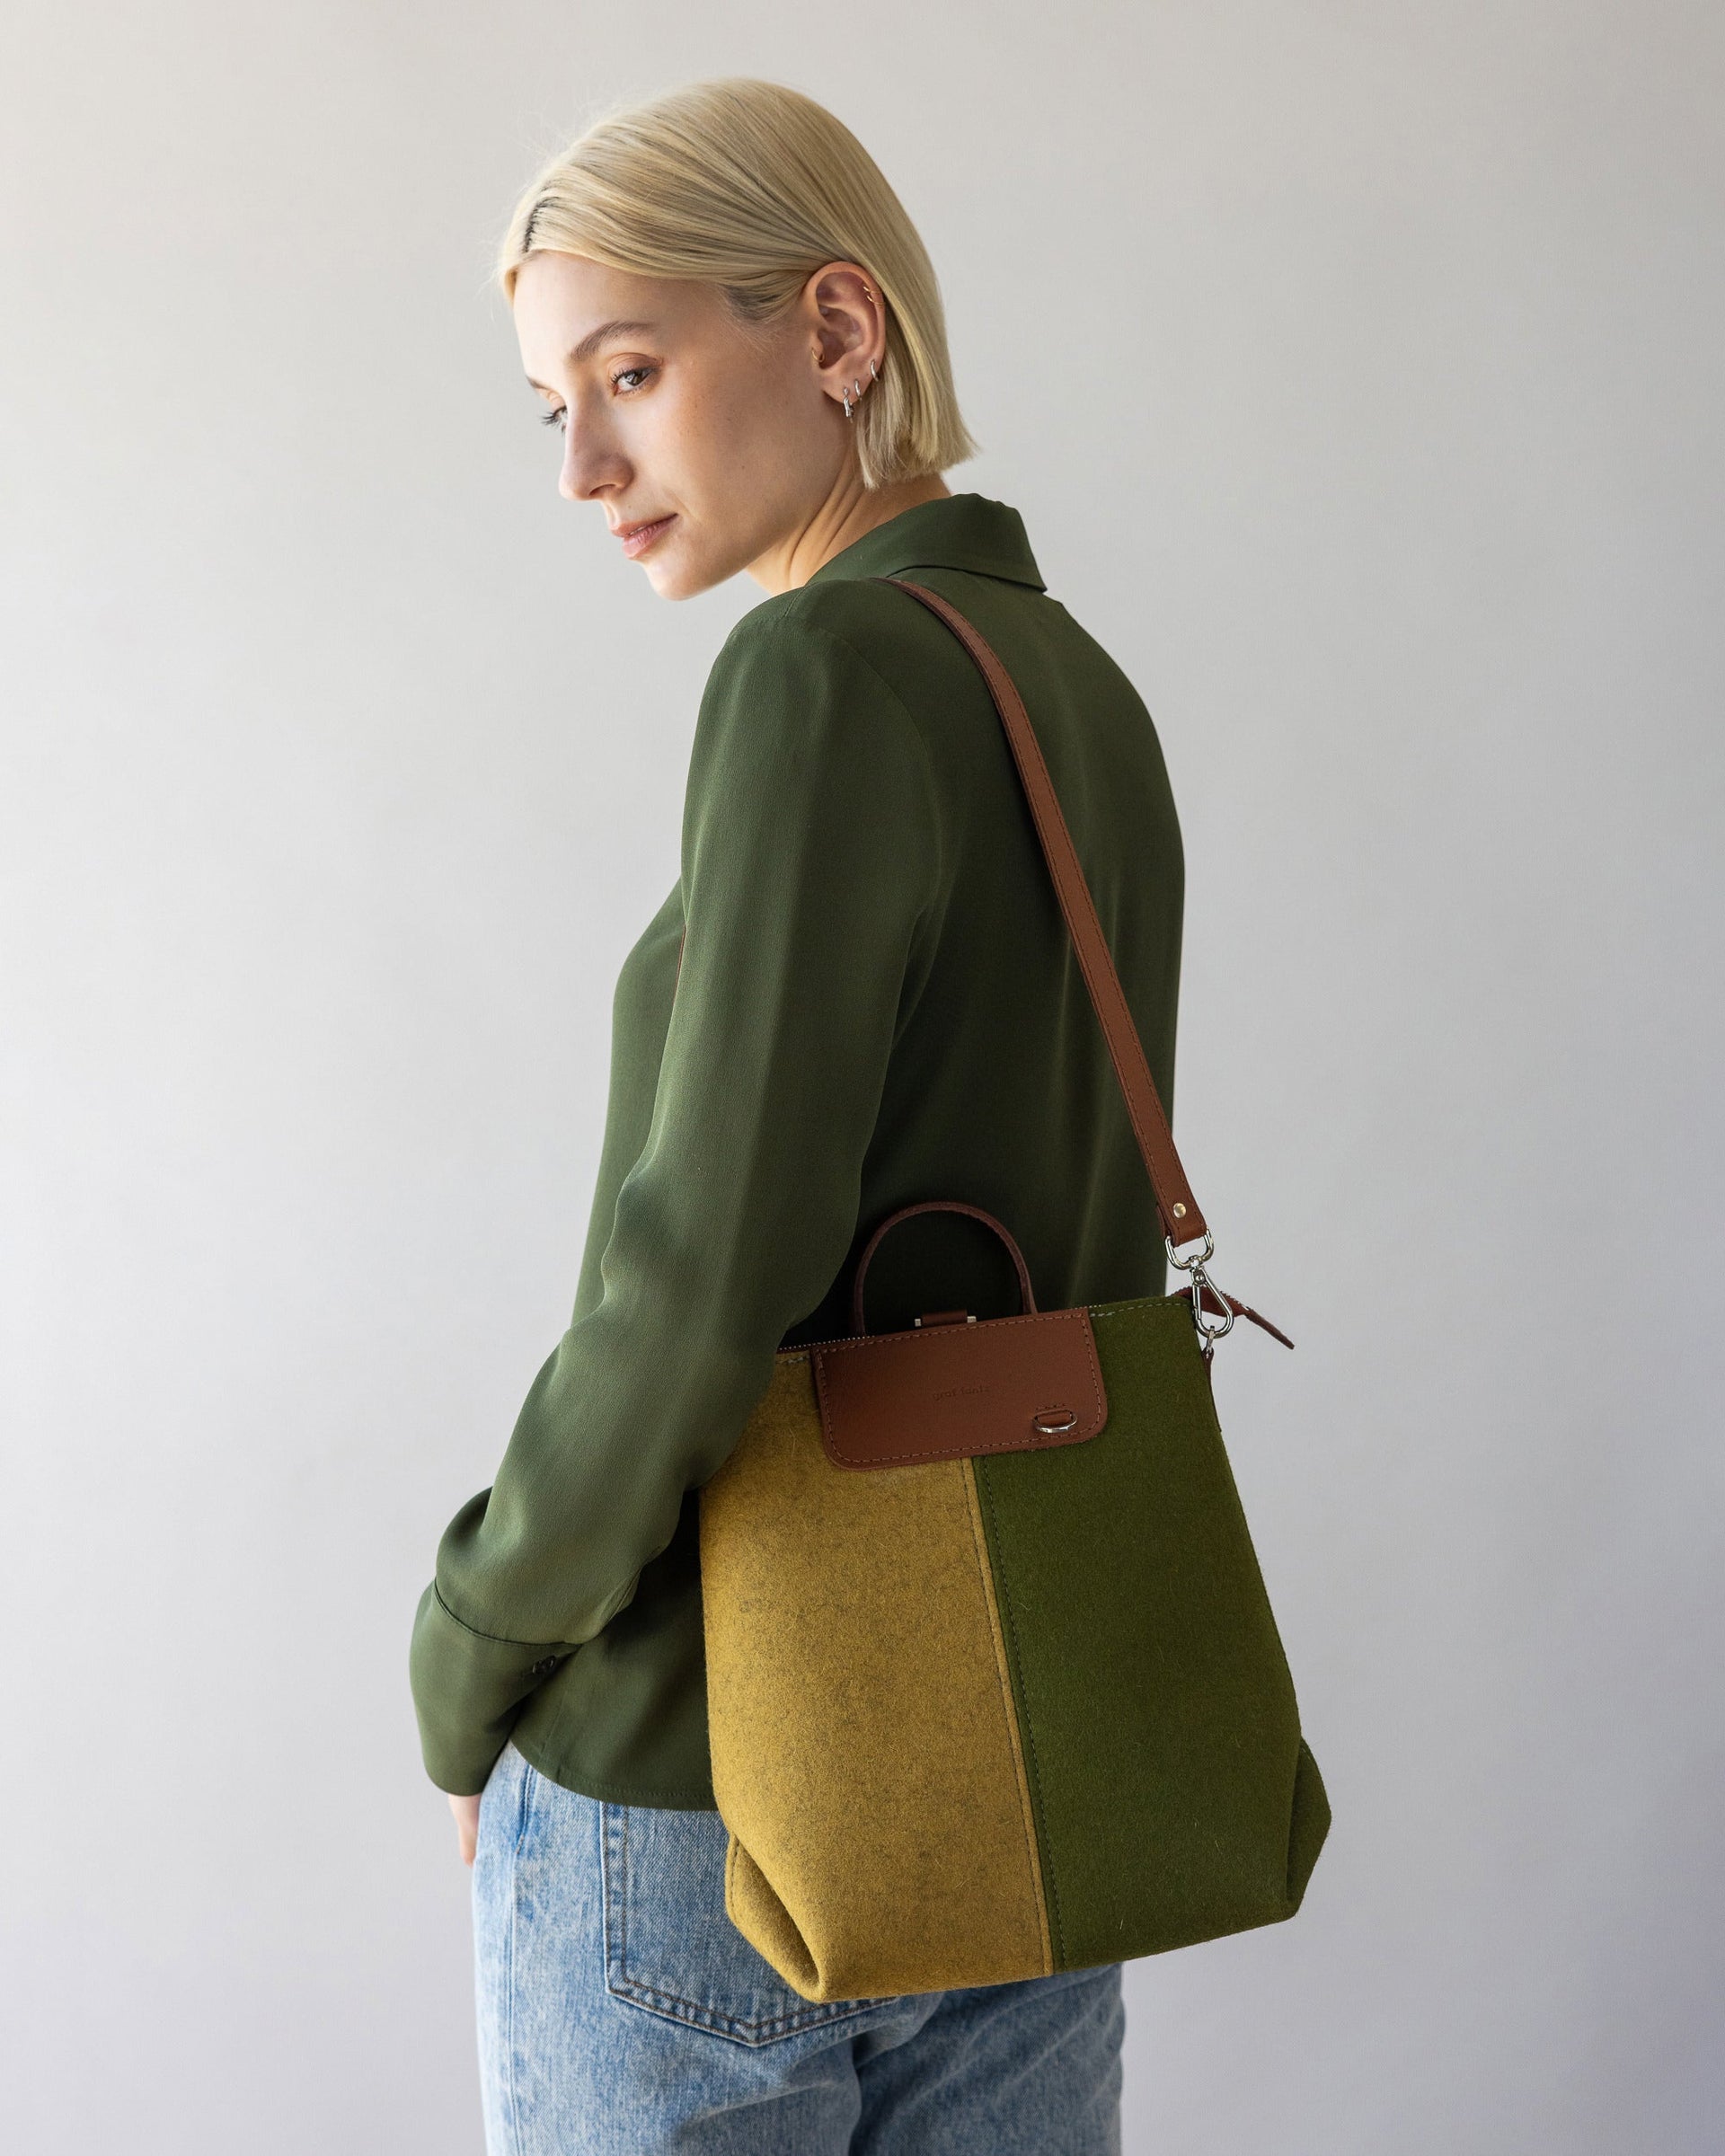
751, 187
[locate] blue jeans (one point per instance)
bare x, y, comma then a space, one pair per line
620, 2013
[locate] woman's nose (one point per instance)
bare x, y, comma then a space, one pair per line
589, 462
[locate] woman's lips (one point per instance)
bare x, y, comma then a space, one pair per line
641, 537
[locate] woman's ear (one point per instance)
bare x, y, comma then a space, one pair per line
848, 319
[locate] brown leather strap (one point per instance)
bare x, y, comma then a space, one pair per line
1181, 1221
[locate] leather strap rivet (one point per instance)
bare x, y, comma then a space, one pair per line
1180, 1212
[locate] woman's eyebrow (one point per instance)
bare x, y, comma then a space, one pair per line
591, 342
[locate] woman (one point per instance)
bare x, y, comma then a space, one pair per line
859, 993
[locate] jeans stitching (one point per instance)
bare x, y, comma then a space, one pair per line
615, 1946
616, 1929
523, 1805
672, 2005
675, 2008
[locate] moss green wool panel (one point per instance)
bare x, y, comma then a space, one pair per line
1158, 1718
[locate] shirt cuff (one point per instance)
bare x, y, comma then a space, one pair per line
468, 1690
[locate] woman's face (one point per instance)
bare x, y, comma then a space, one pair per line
726, 443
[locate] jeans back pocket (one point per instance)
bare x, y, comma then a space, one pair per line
670, 1947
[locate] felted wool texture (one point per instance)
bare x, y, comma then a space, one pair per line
1174, 1798
1002, 1661
858, 1718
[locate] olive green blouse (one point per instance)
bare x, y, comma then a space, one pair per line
860, 992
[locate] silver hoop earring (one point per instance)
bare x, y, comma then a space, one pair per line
847, 395
874, 372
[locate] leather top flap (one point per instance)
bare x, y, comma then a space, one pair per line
950, 1392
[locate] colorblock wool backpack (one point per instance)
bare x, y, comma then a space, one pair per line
993, 1686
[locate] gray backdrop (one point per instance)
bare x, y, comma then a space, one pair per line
1356, 369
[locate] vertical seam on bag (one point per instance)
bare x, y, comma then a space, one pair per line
1004, 1678
1009, 1627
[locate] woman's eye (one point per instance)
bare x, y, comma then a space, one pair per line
629, 379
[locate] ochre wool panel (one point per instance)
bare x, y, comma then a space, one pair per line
889, 1848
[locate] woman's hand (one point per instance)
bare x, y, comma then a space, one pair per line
466, 1811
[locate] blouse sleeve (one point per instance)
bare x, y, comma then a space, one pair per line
810, 862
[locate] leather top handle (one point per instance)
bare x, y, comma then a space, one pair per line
1181, 1221
1027, 1300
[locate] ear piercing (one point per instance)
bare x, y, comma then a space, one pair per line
874, 375
854, 395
